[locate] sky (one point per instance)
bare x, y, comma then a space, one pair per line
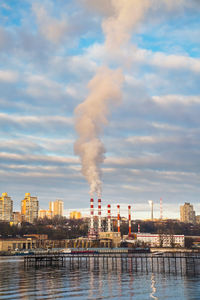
51, 50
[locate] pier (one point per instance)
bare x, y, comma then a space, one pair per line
181, 263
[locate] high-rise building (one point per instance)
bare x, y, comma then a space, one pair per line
29, 208
187, 213
56, 207
6, 208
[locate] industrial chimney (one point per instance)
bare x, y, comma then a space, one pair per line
99, 215
129, 220
109, 218
91, 233
118, 218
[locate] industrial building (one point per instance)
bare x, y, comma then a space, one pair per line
161, 240
112, 239
12, 244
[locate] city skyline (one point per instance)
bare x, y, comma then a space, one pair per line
142, 211
50, 51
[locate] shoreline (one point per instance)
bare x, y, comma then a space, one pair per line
152, 250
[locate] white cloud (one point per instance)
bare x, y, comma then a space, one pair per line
51, 28
31, 123
174, 99
8, 76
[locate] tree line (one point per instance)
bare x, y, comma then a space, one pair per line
63, 228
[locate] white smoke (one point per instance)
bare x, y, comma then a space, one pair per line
105, 90
127, 15
91, 117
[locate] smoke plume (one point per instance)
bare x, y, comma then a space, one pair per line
127, 15
105, 90
91, 117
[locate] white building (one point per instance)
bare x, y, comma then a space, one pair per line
161, 240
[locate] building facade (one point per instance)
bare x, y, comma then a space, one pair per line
198, 219
13, 244
29, 208
75, 215
187, 213
56, 207
6, 208
17, 218
45, 213
161, 240
113, 237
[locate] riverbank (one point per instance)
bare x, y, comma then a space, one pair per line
174, 250
152, 250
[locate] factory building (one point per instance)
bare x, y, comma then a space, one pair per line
113, 237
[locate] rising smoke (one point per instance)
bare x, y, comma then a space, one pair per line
91, 117
104, 91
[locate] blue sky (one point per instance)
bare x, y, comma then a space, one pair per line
49, 51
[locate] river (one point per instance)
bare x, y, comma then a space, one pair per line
19, 282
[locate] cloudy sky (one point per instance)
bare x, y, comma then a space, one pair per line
50, 50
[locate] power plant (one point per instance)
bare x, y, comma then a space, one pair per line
95, 224
102, 228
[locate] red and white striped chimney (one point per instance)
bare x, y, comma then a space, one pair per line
91, 215
129, 220
109, 218
99, 215
118, 218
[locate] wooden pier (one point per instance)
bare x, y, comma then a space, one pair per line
182, 263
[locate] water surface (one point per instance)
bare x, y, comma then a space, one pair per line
18, 282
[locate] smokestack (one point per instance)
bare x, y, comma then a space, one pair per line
99, 214
161, 209
129, 220
151, 205
109, 218
118, 218
91, 230
138, 228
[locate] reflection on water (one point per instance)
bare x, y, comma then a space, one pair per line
152, 294
93, 281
